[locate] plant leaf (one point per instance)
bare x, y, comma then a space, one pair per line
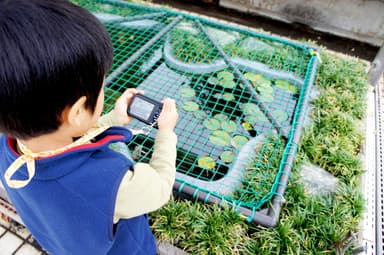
220, 117
190, 106
225, 75
211, 124
252, 77
227, 156
280, 115
238, 141
247, 126
229, 126
200, 114
249, 108
284, 84
263, 81
268, 98
206, 162
220, 138
213, 80
187, 92
228, 97
228, 84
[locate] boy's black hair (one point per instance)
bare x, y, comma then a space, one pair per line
52, 52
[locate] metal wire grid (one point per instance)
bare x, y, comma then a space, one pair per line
228, 83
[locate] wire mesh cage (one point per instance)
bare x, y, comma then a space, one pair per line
242, 99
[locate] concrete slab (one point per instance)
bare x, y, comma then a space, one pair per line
358, 19
27, 249
9, 243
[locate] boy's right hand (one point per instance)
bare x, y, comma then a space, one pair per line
168, 116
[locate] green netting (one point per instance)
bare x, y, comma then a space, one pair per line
241, 97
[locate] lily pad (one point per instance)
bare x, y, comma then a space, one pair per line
249, 108
238, 141
229, 126
220, 117
256, 118
211, 124
247, 126
213, 80
228, 84
227, 156
268, 98
225, 75
263, 81
265, 89
280, 115
190, 106
220, 138
284, 84
229, 97
252, 77
206, 162
200, 114
187, 92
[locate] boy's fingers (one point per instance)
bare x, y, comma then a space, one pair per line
169, 104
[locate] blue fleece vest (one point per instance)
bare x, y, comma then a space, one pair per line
69, 204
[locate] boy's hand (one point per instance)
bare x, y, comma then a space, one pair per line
168, 116
120, 110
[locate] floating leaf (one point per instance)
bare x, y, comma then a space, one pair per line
220, 138
213, 80
229, 126
225, 75
266, 98
187, 92
190, 106
220, 117
229, 97
206, 162
247, 126
280, 115
227, 83
227, 156
200, 114
211, 124
238, 141
251, 76
263, 81
257, 116
265, 90
284, 84
249, 108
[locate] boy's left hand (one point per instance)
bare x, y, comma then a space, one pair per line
120, 110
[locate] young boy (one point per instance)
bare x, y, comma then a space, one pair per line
75, 194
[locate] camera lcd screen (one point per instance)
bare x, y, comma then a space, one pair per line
142, 108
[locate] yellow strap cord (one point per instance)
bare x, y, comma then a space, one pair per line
29, 157
317, 54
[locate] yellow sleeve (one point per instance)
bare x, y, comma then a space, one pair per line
108, 119
149, 186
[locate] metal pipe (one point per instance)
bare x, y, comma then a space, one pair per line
137, 17
377, 67
257, 217
274, 210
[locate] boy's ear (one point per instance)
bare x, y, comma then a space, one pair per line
74, 115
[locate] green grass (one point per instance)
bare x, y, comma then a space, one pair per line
308, 225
